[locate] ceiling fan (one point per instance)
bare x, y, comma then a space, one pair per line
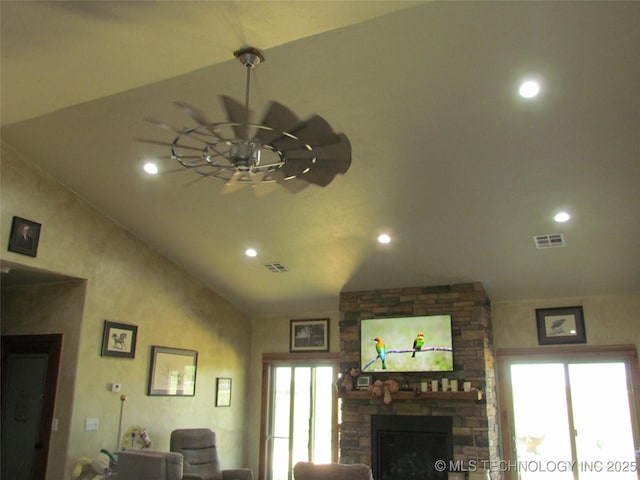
281, 149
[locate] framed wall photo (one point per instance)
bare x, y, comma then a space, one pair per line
561, 325
223, 392
24, 238
309, 335
119, 340
172, 372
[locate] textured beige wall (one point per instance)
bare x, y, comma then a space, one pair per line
128, 283
609, 319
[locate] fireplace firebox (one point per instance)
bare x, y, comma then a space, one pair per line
408, 447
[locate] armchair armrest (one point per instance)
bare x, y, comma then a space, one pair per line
191, 476
237, 474
149, 464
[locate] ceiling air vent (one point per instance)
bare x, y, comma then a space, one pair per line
276, 267
549, 241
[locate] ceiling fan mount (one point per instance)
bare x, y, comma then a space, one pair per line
249, 57
280, 149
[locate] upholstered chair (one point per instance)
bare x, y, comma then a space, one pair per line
332, 471
149, 465
199, 449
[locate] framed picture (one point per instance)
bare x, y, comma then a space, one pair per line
24, 237
223, 392
561, 325
363, 382
119, 340
309, 335
172, 372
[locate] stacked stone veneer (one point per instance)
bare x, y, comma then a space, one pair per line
475, 422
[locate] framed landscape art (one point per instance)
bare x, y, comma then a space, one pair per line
172, 372
309, 335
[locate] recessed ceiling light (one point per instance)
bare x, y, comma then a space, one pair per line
251, 252
384, 238
562, 217
529, 89
151, 168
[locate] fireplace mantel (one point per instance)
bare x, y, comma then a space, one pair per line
407, 395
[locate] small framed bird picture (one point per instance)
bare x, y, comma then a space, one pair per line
119, 340
560, 325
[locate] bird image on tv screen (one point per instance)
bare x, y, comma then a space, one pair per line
406, 344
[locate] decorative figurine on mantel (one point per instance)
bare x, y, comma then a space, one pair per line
384, 389
345, 382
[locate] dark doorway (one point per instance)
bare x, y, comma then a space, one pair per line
30, 365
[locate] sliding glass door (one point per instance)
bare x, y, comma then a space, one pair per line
571, 419
301, 418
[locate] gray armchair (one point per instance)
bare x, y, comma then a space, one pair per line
149, 465
200, 456
332, 471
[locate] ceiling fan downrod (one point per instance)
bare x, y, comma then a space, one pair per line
250, 57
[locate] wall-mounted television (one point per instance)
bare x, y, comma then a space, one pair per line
395, 337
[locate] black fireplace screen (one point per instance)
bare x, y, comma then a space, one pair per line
407, 447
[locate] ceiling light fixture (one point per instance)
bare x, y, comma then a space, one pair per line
529, 89
151, 168
562, 217
384, 238
251, 252
280, 149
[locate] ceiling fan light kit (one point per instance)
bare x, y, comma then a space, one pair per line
280, 149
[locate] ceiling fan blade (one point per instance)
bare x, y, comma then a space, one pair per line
316, 173
172, 171
193, 112
257, 177
280, 119
285, 143
198, 179
318, 176
311, 173
233, 184
169, 144
263, 189
336, 155
236, 113
197, 163
295, 185
161, 124
315, 131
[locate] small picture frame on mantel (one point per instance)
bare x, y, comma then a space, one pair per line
560, 325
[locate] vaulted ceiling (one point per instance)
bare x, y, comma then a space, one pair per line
447, 158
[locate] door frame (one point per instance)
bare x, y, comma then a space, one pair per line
51, 345
288, 359
562, 354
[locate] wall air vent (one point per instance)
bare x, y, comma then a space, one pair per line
276, 267
549, 241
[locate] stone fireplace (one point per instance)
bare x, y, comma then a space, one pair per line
407, 447
474, 420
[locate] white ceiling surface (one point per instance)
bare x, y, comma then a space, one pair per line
446, 157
